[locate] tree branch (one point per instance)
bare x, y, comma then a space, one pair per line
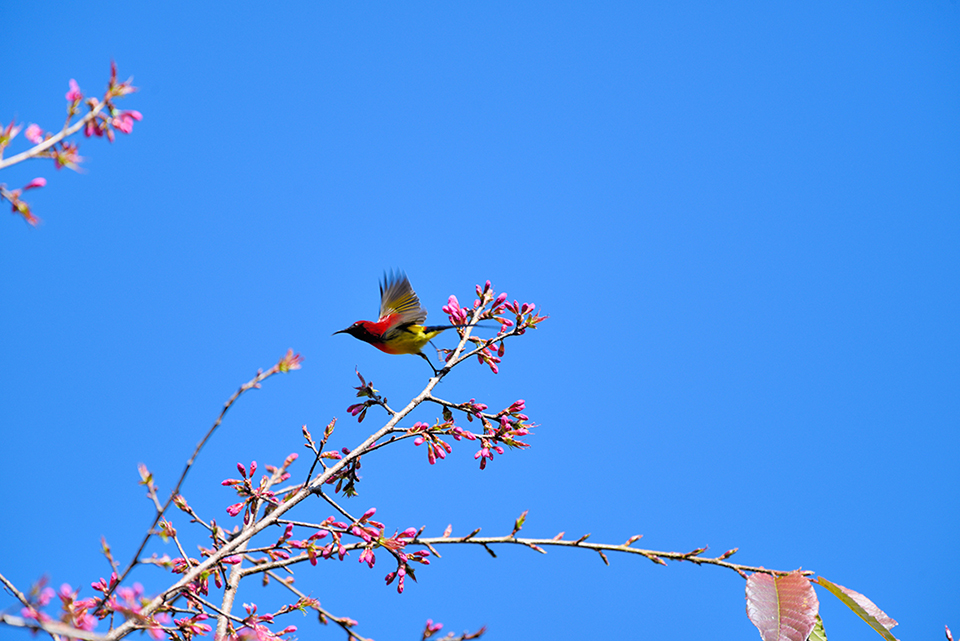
66, 132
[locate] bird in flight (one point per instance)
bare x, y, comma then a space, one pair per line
400, 328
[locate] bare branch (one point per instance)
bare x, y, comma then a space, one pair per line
537, 544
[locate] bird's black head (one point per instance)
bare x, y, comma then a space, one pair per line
358, 330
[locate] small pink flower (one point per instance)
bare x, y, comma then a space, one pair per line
368, 557
35, 183
290, 361
74, 94
34, 134
453, 309
46, 595
67, 156
124, 120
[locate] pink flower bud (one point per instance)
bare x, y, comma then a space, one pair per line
74, 94
34, 134
35, 183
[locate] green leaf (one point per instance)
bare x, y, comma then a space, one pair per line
818, 634
862, 606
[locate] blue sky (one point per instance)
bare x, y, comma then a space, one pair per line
743, 221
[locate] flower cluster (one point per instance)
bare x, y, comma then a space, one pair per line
253, 627
101, 120
347, 477
509, 427
290, 362
436, 447
127, 601
370, 535
253, 496
103, 124
17, 205
191, 627
431, 629
74, 612
525, 316
488, 306
505, 427
365, 390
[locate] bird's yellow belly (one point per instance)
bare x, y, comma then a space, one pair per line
407, 341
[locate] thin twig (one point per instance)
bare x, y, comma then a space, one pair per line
650, 554
322, 611
17, 593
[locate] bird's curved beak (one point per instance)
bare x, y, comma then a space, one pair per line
342, 331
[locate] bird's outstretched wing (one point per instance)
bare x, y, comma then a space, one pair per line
397, 297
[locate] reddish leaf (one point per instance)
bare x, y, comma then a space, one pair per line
869, 606
783, 609
863, 607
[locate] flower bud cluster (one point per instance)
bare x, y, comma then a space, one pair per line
491, 306
370, 535
101, 120
254, 623
245, 489
365, 390
436, 447
507, 427
17, 205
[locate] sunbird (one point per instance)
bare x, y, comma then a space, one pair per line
400, 329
